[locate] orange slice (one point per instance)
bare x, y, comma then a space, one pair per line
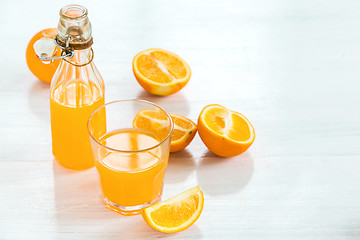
177, 213
183, 133
153, 121
224, 132
160, 72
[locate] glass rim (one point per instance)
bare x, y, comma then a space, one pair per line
126, 151
82, 11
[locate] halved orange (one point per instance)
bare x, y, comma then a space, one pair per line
160, 72
153, 121
177, 213
224, 132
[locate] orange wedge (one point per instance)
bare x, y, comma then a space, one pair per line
183, 133
177, 213
160, 72
224, 132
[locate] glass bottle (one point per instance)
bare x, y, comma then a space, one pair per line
77, 89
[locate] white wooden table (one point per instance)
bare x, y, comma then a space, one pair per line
291, 67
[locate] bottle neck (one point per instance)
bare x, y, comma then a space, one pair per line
81, 57
74, 28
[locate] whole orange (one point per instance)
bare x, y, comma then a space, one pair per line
41, 70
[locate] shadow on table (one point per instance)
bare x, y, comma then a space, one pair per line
145, 232
78, 195
217, 175
79, 210
176, 103
38, 99
180, 165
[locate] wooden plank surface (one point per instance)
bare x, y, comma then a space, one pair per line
291, 67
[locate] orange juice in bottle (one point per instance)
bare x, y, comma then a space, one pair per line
77, 89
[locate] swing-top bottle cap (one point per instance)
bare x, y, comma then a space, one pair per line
75, 27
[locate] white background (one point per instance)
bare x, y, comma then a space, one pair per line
291, 67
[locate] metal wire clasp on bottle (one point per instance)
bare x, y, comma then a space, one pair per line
67, 52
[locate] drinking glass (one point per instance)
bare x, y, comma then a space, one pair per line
130, 161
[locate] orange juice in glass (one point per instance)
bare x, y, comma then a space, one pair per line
131, 162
